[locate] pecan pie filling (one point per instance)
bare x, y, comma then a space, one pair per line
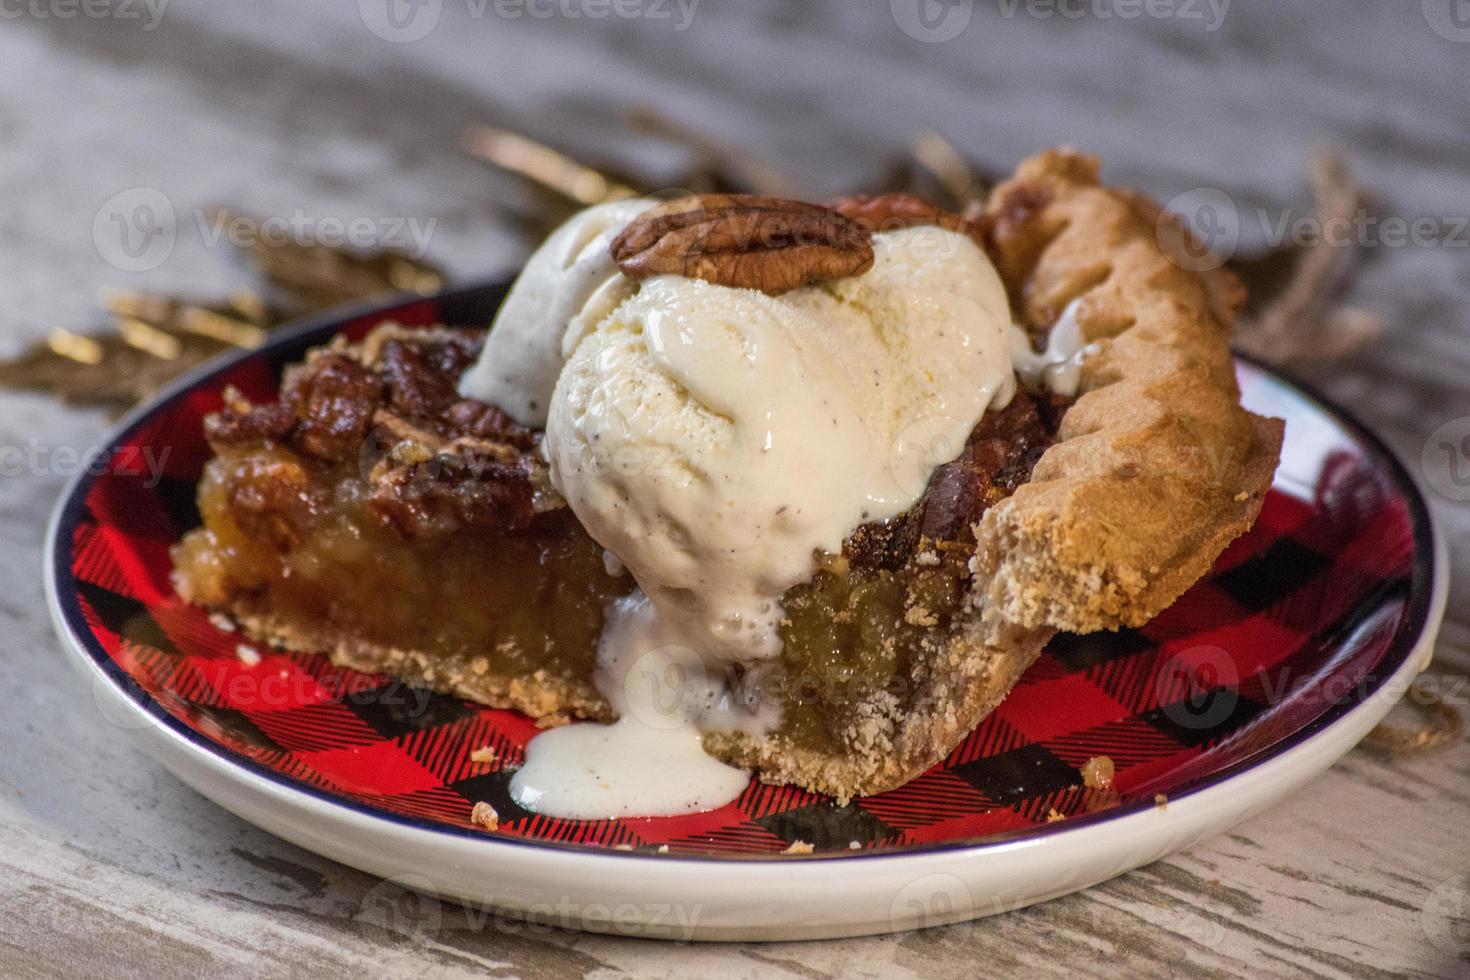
832, 476
374, 501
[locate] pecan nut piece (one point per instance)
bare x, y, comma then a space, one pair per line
334, 399
743, 240
887, 212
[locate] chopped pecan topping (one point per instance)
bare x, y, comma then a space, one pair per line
396, 439
448, 349
240, 422
333, 398
273, 496
889, 212
416, 384
464, 486
468, 417
743, 240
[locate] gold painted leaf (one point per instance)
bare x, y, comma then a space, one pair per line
155, 337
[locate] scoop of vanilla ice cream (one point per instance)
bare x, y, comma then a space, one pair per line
714, 439
540, 320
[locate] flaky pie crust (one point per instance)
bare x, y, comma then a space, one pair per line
1156, 468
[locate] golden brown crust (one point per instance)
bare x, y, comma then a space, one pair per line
1157, 467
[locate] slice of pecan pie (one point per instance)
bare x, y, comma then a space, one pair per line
376, 514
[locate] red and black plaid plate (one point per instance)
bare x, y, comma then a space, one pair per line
1300, 620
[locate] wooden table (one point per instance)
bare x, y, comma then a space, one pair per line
109, 865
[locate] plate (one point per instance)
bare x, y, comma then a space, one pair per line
1302, 637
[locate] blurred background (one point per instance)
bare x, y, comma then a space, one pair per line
127, 125
1323, 148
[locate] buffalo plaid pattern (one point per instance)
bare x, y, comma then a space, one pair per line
1295, 619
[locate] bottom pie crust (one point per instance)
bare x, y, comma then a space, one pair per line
1156, 467
549, 699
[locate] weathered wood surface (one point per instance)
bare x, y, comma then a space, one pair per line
110, 866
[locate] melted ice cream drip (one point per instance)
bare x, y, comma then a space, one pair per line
650, 761
712, 440
1059, 367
